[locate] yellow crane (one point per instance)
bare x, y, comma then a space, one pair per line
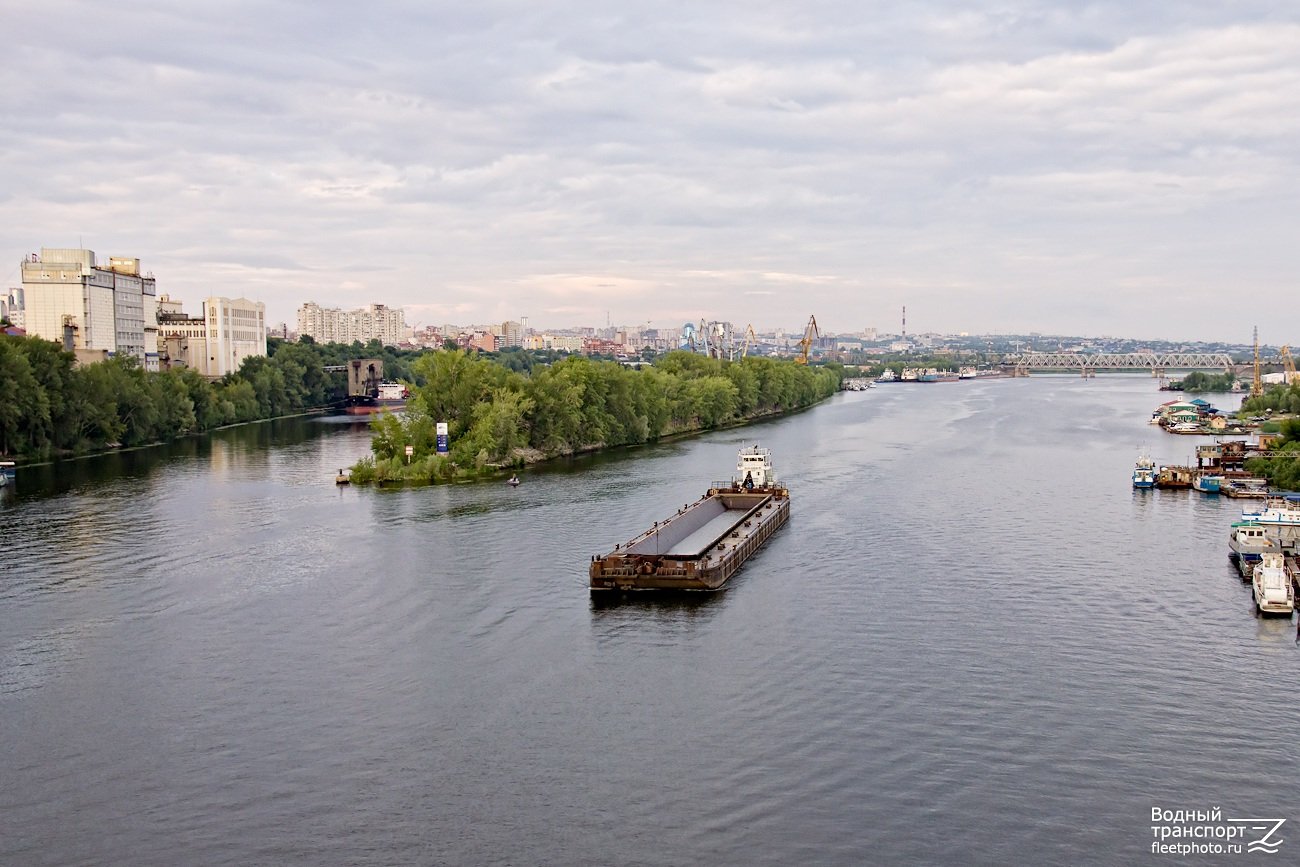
750, 340
1288, 365
810, 333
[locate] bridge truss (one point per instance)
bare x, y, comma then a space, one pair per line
1120, 361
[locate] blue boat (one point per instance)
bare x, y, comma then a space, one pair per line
1207, 484
1144, 472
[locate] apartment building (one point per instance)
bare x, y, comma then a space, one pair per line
335, 325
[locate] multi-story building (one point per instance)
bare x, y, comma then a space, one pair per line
69, 298
335, 325
512, 334
217, 341
11, 307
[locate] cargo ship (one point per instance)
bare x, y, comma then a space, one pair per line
702, 546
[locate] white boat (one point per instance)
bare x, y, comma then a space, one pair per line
1144, 472
967, 373
1274, 588
887, 375
7, 469
1247, 543
1276, 511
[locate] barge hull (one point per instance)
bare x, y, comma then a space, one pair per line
699, 548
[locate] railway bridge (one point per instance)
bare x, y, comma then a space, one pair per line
1157, 362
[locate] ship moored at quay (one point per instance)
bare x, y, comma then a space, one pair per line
702, 546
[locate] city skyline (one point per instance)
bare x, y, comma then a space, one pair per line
1109, 170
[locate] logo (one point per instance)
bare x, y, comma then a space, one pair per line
1206, 832
1269, 827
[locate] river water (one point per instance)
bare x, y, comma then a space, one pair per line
974, 642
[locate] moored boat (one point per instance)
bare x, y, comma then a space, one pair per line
1244, 487
1207, 484
1175, 477
703, 545
1144, 472
1247, 543
1273, 586
1280, 511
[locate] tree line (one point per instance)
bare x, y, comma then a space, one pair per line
49, 405
498, 416
1283, 471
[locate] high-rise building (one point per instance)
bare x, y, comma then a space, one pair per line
11, 307
334, 325
71, 299
512, 334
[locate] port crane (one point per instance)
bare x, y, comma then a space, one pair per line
810, 333
1288, 365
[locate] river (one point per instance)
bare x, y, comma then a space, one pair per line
974, 642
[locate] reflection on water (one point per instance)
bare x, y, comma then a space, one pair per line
664, 604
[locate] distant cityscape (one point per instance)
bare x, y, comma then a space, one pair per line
101, 309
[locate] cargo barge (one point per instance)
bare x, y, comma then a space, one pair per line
702, 546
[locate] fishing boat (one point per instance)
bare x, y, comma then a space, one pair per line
1144, 472
703, 545
1273, 585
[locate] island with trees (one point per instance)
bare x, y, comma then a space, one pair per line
499, 417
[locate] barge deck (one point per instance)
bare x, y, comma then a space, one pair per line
703, 545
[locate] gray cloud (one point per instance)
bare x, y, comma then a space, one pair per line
1031, 165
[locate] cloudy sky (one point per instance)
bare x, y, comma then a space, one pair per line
1125, 168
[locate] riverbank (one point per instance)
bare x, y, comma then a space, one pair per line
22, 461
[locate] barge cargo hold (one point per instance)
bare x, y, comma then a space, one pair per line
702, 546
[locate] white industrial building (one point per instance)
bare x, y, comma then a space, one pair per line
217, 341
335, 325
69, 298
